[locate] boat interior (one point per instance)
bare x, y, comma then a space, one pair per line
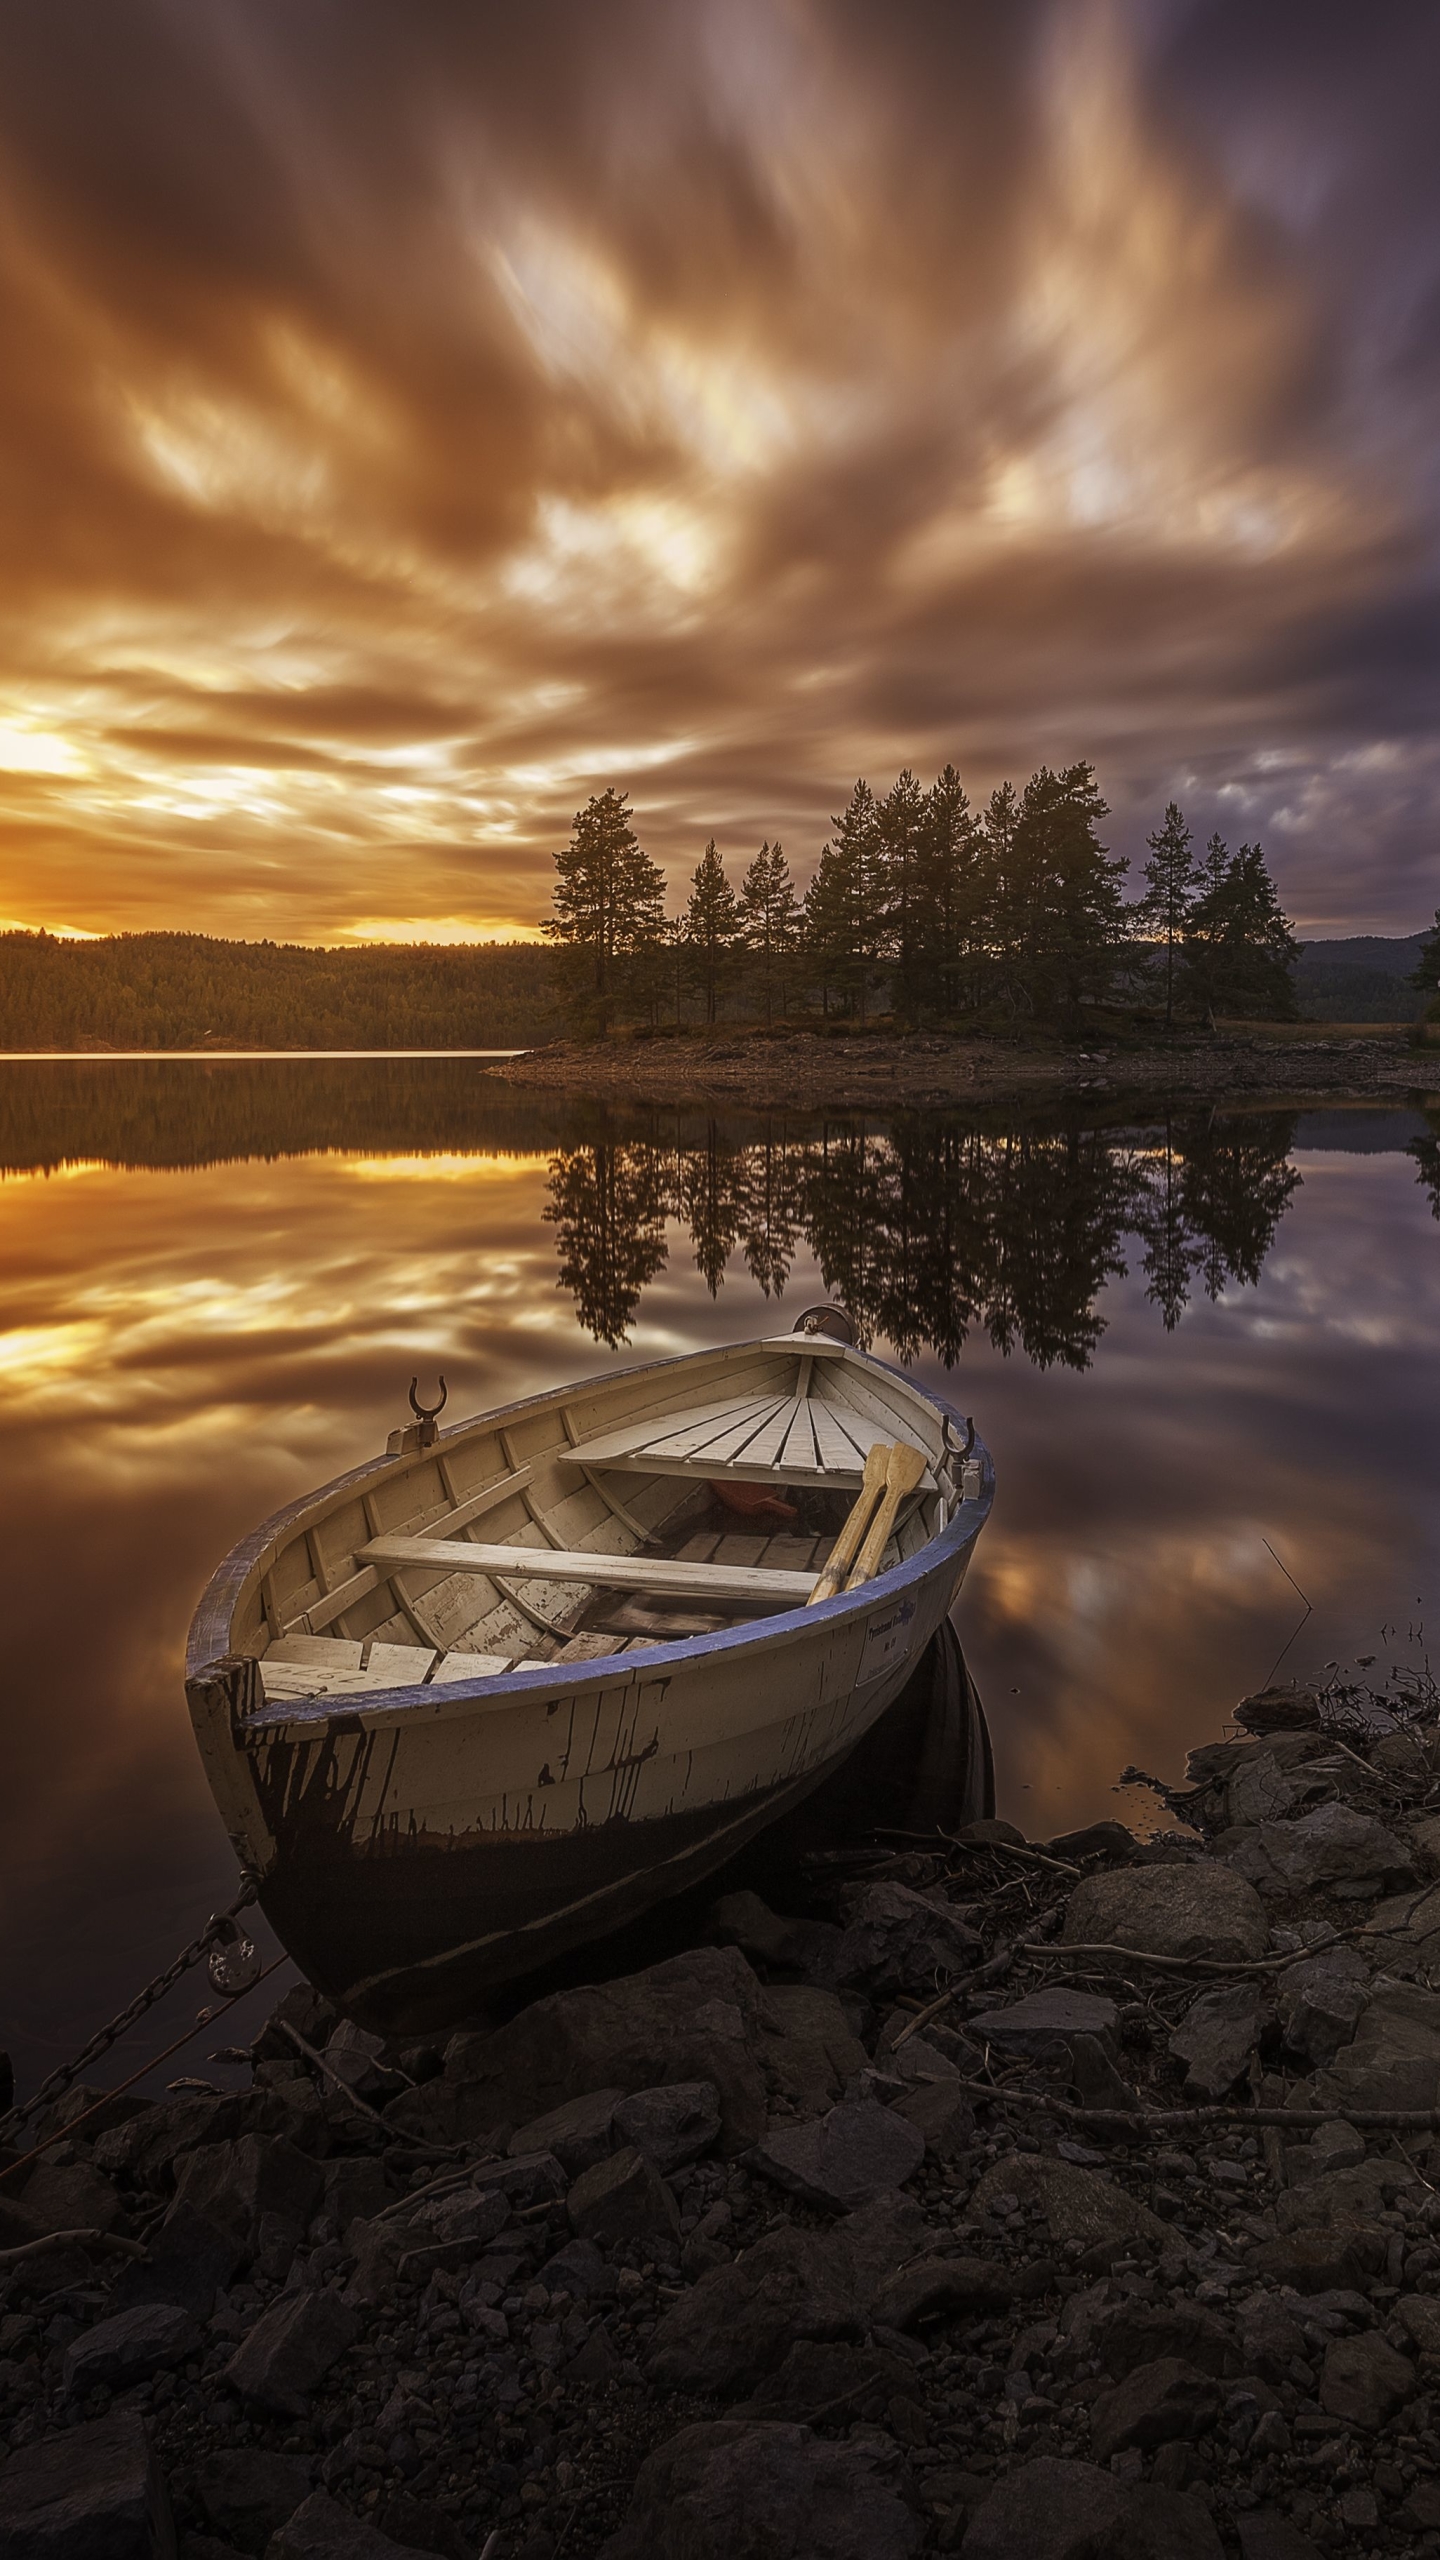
594, 1523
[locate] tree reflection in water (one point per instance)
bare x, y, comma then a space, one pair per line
927, 1228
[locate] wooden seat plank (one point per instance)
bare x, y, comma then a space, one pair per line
765, 1445
611, 1572
836, 1450
468, 1666
799, 1448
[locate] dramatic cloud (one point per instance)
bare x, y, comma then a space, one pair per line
415, 418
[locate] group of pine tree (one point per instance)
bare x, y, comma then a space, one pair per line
932, 909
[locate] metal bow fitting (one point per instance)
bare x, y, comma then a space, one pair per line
425, 1414
234, 1961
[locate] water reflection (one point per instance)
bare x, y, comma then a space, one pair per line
930, 1228
216, 1282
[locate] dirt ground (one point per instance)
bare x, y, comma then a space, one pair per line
789, 1068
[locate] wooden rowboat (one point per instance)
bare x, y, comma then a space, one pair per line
496, 1692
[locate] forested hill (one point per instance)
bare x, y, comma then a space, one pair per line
189, 991
1364, 978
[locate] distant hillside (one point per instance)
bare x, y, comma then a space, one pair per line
188, 991
1360, 979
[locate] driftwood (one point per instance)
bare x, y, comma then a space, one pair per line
72, 2240
1193, 2119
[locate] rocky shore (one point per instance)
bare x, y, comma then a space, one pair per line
1059, 2201
799, 1069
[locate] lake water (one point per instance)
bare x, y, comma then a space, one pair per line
1205, 1355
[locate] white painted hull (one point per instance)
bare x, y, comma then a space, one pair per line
416, 1846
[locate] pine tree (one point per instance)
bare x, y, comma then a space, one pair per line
712, 926
844, 904
1005, 905
770, 917
1171, 878
1239, 953
1427, 967
898, 917
1066, 917
609, 896
953, 895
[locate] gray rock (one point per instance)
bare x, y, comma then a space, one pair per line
1364, 2381
671, 2125
943, 2117
578, 2269
1061, 2510
579, 2133
322, 2529
625, 2200
1095, 2080
900, 1940
877, 2240
1164, 2524
448, 2230
145, 2149
1342, 2196
1078, 2204
857, 2151
1394, 2057
1138, 2333
1045, 2021
1334, 1849
1338, 2256
1157, 2404
695, 2017
70, 2199
1262, 1788
1320, 2002
291, 2349
740, 2321
1267, 2535
762, 2488
131, 2347
1270, 2339
354, 2190
941, 2288
1216, 2038
1403, 1932
1094, 1840
234, 2183
1419, 2316
808, 2051
767, 1937
822, 2381
93, 2493
1195, 1909
190, 2259
248, 2495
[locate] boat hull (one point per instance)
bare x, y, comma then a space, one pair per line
417, 1849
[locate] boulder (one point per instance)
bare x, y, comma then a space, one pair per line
1320, 2002
901, 1940
1216, 2038
768, 1937
877, 2240
131, 2347
70, 2199
322, 2529
1164, 2524
762, 2487
942, 2289
1198, 1908
740, 2321
1339, 2257
808, 2051
623, 2201
1393, 2059
579, 2133
446, 2230
93, 2493
1095, 1840
248, 2495
290, 2350
1157, 2404
146, 2148
671, 2125
1403, 1932
1078, 2204
1139, 2333
1364, 2381
577, 2269
235, 2183
1268, 2535
1270, 2339
1063, 2510
826, 2380
694, 2017
1044, 2021
943, 2117
1332, 1850
1338, 2197
190, 2259
857, 2151
1419, 2316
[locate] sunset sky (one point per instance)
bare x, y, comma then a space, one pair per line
416, 415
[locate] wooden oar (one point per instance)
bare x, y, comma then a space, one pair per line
837, 1564
904, 1468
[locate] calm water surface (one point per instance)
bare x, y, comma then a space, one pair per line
1205, 1354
